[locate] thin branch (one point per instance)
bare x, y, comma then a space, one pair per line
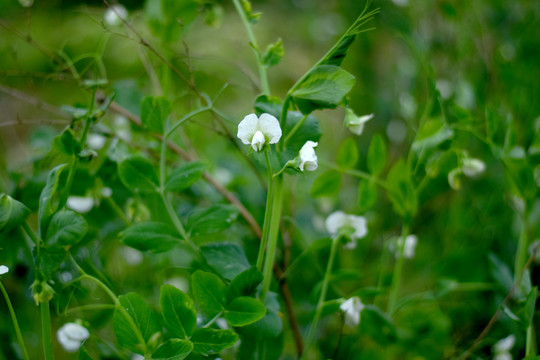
20, 121
34, 101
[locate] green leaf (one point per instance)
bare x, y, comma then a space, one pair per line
209, 292
432, 133
179, 314
268, 104
347, 156
49, 200
138, 175
12, 212
376, 158
211, 220
150, 236
154, 112
401, 191
273, 54
169, 19
309, 130
244, 284
184, 176
244, 310
269, 326
173, 349
67, 143
367, 194
378, 325
228, 259
327, 184
144, 319
323, 88
66, 228
530, 306
207, 341
50, 259
83, 354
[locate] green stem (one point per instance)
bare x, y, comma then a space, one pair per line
118, 210
356, 173
213, 320
320, 303
531, 349
253, 41
522, 248
283, 119
398, 270
46, 330
267, 214
15, 323
273, 231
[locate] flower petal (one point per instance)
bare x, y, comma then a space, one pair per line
308, 158
258, 140
247, 128
269, 126
359, 224
336, 221
3, 269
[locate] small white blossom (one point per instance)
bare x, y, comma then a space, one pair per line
80, 204
258, 131
114, 15
96, 141
71, 336
308, 158
408, 248
352, 309
356, 123
339, 221
3, 269
502, 348
106, 192
473, 167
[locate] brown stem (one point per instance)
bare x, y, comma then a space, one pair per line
34, 101
495, 316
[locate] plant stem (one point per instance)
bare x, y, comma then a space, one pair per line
46, 330
294, 130
273, 230
320, 303
522, 248
267, 213
398, 270
531, 349
255, 47
15, 323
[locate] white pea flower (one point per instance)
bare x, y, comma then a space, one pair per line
257, 132
502, 348
356, 123
114, 15
71, 336
473, 167
352, 308
308, 158
80, 204
355, 226
408, 248
3, 269
96, 141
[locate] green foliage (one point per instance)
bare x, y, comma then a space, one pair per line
208, 341
174, 349
347, 156
244, 310
324, 87
150, 236
326, 184
138, 175
154, 113
12, 213
184, 176
401, 192
376, 158
179, 315
228, 259
273, 54
367, 194
66, 228
209, 292
49, 200
211, 220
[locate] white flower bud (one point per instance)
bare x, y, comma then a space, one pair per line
3, 269
356, 123
80, 204
502, 348
71, 336
352, 309
114, 15
257, 132
408, 248
473, 167
308, 158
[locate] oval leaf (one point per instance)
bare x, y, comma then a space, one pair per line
186, 175
323, 88
207, 341
244, 310
214, 219
209, 292
228, 259
244, 284
376, 158
49, 200
66, 228
347, 156
150, 236
179, 314
174, 349
326, 184
367, 194
12, 212
138, 174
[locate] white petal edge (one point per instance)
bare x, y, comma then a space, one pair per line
3, 269
269, 126
247, 128
335, 221
258, 140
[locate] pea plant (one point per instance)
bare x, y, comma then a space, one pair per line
156, 225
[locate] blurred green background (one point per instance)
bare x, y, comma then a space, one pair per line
482, 56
